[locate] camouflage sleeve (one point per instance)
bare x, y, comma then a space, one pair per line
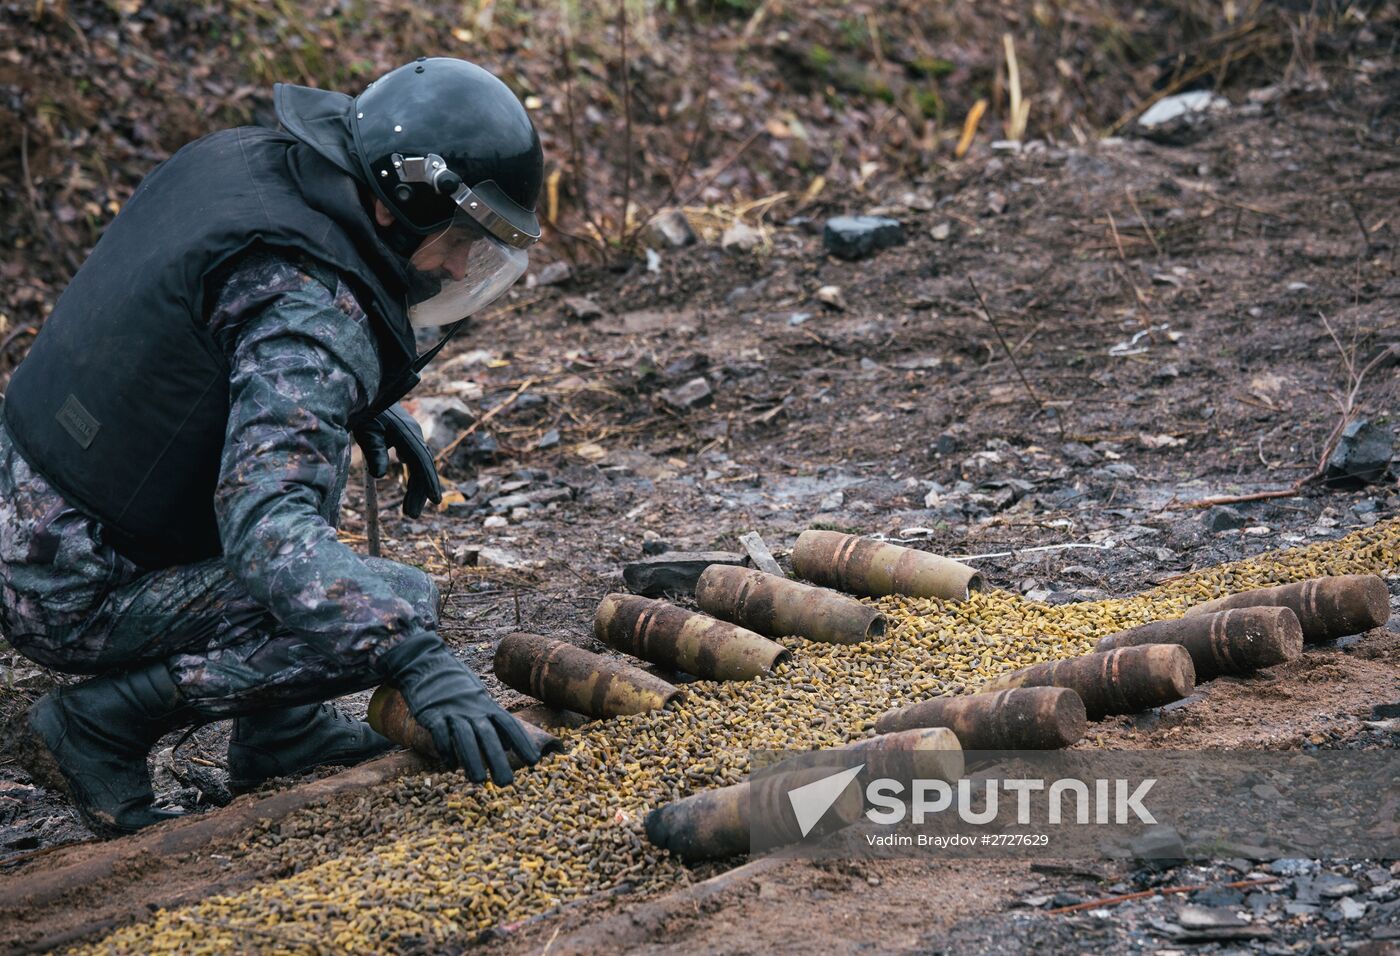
302, 360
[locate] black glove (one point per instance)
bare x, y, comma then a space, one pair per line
448, 700
395, 428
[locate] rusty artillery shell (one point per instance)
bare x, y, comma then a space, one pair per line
389, 715
1230, 642
935, 752
714, 824
872, 569
682, 640
777, 606
1124, 681
1022, 718
1327, 608
571, 678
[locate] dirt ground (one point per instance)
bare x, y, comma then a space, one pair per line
1180, 314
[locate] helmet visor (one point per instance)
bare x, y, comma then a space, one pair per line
460, 271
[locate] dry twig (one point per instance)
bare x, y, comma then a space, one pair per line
1059, 425
1346, 406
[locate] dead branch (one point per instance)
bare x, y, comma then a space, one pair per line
1347, 407
1005, 347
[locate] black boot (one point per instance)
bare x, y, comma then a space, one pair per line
93, 739
280, 743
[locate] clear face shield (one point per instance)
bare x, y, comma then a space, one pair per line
460, 271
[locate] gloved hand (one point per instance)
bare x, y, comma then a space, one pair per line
449, 701
395, 428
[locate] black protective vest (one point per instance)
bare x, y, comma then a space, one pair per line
122, 403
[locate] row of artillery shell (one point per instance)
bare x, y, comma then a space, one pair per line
715, 824
568, 677
778, 607
874, 569
1229, 642
1022, 718
682, 640
1327, 608
1122, 681
389, 715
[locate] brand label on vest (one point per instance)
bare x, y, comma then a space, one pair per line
78, 421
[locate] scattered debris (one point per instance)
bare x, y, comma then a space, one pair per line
692, 394
585, 310
442, 419
1182, 104
671, 228
555, 273
759, 554
674, 571
742, 237
831, 295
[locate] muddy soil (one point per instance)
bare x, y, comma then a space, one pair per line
1180, 317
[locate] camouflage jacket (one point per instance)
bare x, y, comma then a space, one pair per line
302, 361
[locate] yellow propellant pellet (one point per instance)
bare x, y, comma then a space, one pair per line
432, 859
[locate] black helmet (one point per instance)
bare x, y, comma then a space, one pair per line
432, 139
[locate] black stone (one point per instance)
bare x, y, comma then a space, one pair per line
1363, 454
674, 571
479, 448
855, 237
1224, 518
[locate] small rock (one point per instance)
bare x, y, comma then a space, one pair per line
797, 318
1350, 908
1330, 886
1223, 518
585, 310
855, 237
500, 558
741, 237
833, 501
548, 440
1162, 844
1182, 105
495, 521
1362, 455
1193, 916
831, 295
554, 273
442, 419
1300, 909
996, 202
1384, 892
1217, 896
941, 232
692, 394
671, 228
1291, 866
674, 571
653, 543
479, 448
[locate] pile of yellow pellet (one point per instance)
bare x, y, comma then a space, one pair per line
432, 858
